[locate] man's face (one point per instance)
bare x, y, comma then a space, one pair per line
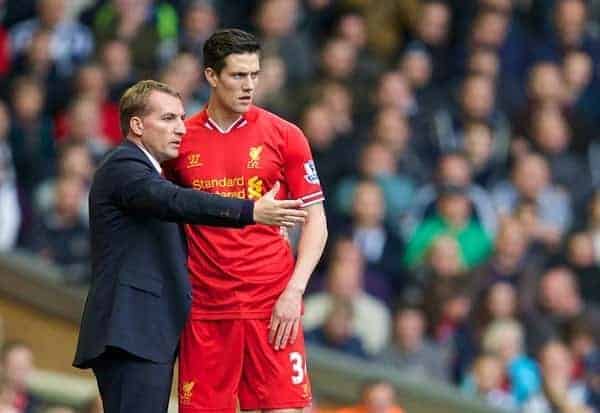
235, 85
163, 127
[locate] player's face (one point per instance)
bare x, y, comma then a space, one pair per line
235, 85
163, 127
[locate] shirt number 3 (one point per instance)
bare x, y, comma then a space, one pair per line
298, 367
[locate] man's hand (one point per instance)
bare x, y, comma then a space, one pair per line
270, 211
285, 320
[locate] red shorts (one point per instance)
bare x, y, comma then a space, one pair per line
223, 361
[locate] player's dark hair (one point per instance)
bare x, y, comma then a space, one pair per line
224, 42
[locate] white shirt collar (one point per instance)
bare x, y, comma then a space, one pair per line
151, 158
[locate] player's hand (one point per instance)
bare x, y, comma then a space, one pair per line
284, 213
285, 320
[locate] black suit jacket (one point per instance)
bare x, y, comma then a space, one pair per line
140, 294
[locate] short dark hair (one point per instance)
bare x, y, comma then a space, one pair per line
134, 101
224, 42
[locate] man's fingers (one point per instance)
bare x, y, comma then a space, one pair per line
283, 335
295, 329
289, 203
294, 213
273, 327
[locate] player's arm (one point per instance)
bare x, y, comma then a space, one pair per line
285, 320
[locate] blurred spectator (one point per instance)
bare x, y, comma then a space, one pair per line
74, 161
558, 392
377, 164
338, 62
90, 82
345, 281
353, 26
447, 304
442, 261
36, 62
376, 241
547, 88
513, 261
377, 396
393, 91
84, 126
61, 235
495, 303
10, 210
416, 66
332, 162
432, 30
476, 102
16, 361
531, 184
276, 22
339, 100
582, 345
453, 218
71, 43
578, 71
569, 32
452, 169
559, 306
343, 248
505, 339
582, 260
387, 22
200, 20
184, 74
552, 137
31, 136
486, 381
149, 29
337, 331
410, 351
392, 129
479, 148
271, 93
115, 58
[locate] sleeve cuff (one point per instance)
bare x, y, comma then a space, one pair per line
247, 214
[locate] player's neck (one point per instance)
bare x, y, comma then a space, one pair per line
222, 117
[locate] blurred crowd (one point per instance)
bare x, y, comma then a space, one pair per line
457, 142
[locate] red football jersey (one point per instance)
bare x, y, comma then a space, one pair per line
240, 273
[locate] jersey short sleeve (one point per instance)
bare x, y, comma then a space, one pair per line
300, 170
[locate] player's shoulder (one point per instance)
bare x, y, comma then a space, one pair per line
265, 117
195, 121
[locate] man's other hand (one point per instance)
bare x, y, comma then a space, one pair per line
285, 213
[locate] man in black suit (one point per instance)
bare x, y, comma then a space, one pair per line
140, 293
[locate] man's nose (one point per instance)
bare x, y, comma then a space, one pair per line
180, 128
249, 83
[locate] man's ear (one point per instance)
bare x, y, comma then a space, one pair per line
211, 76
136, 125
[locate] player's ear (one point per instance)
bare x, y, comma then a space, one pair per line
136, 125
211, 76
